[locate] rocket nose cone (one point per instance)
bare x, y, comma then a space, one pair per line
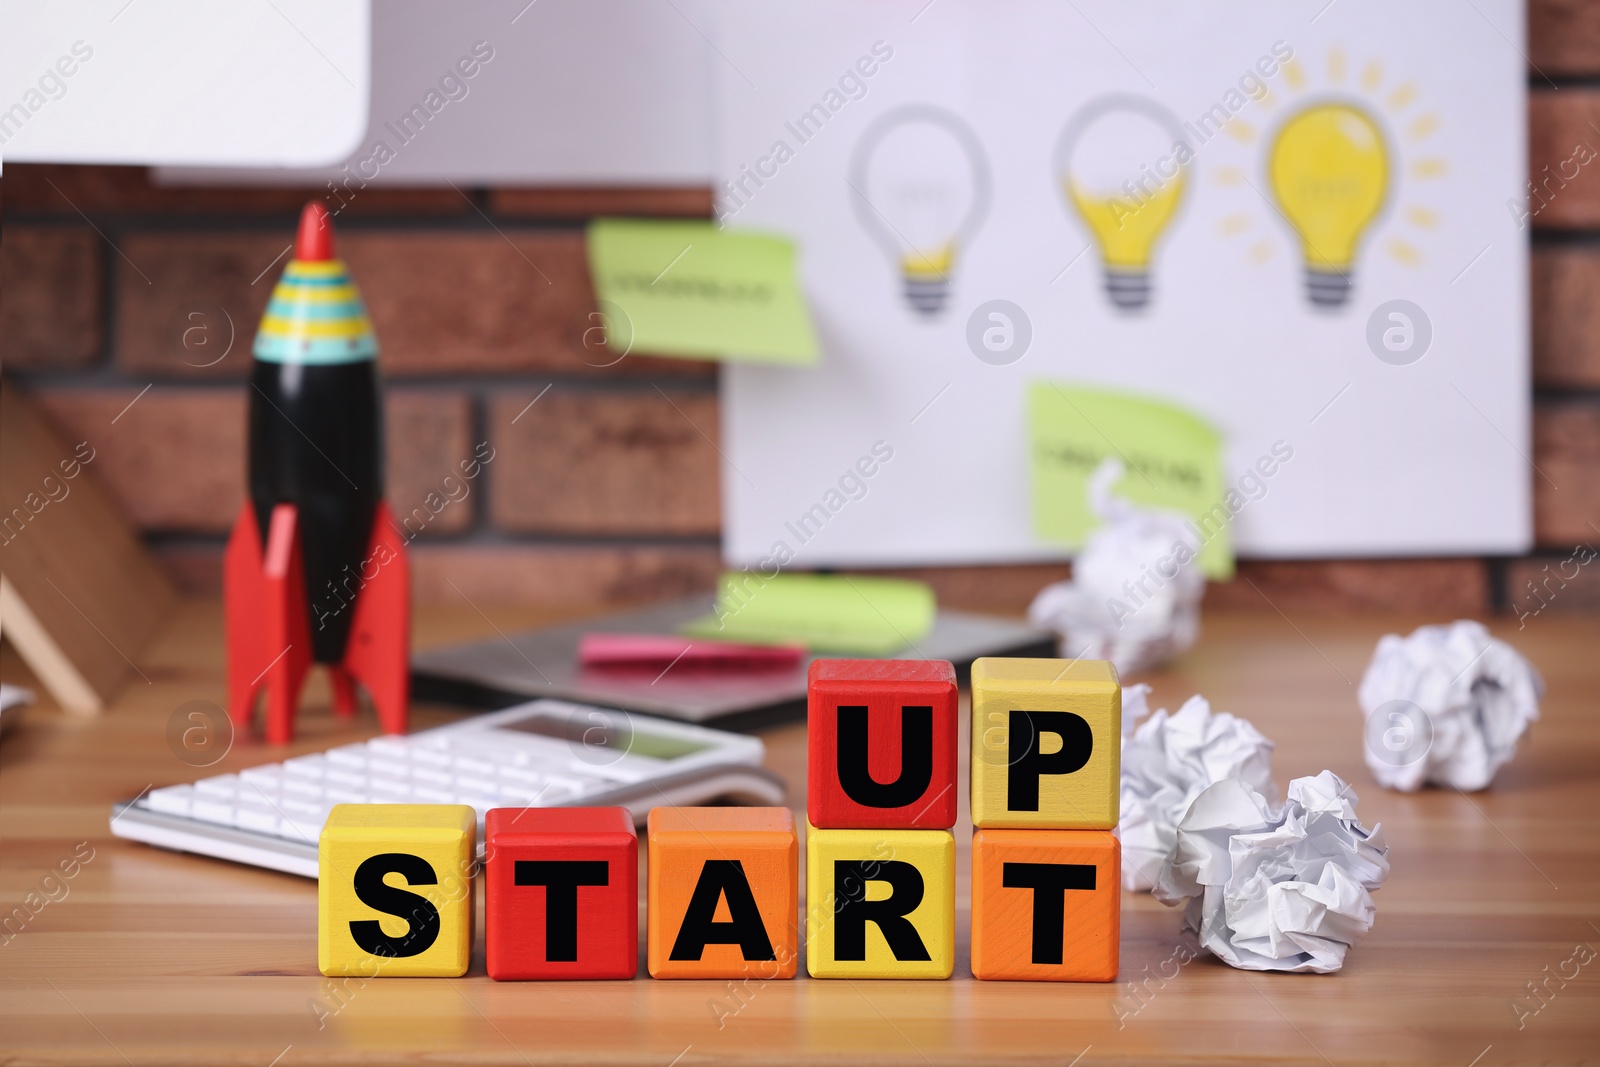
315, 240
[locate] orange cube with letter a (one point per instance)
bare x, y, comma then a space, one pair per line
724, 889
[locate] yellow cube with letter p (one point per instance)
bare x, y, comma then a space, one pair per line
1046, 743
394, 890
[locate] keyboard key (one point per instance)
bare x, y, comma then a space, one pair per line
223, 785
390, 747
314, 766
354, 756
211, 809
173, 800
429, 757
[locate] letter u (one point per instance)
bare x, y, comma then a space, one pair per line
916, 758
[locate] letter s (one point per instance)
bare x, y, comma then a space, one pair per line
1283, 451
882, 50
82, 50
883, 451
417, 910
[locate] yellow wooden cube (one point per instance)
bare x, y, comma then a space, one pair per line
394, 890
880, 903
1046, 743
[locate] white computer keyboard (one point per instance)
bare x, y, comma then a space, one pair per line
547, 753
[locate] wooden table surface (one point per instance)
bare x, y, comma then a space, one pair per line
149, 957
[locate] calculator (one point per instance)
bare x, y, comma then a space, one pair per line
547, 753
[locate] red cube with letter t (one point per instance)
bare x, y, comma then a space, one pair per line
561, 893
882, 737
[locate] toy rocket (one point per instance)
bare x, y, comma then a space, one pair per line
315, 571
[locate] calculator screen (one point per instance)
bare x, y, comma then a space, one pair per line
607, 731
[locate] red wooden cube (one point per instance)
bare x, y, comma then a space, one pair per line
561, 893
882, 737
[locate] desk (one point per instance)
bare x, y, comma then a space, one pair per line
153, 957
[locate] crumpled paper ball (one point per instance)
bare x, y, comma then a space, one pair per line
1167, 760
1445, 705
1134, 597
1276, 889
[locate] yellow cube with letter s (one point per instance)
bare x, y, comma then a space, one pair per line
1046, 743
394, 890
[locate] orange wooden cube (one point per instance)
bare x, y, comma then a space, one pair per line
1046, 905
724, 892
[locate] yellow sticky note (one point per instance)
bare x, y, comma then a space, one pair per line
880, 903
682, 287
394, 890
1046, 743
1173, 459
833, 614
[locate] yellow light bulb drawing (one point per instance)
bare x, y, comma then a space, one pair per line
920, 187
1121, 163
1329, 169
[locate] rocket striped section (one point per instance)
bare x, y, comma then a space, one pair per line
315, 316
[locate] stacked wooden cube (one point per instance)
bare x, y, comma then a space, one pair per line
1046, 868
880, 802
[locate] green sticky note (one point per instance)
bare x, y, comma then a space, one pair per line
836, 614
1172, 459
692, 289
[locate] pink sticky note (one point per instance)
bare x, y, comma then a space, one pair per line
660, 650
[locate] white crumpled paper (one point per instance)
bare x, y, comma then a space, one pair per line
1134, 597
1445, 705
1272, 889
1167, 760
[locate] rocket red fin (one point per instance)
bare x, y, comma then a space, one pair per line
344, 691
288, 633
245, 597
378, 655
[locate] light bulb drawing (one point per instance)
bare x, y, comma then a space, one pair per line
1121, 162
920, 186
1329, 170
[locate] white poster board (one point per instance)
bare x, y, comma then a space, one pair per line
926, 156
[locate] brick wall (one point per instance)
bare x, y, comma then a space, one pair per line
606, 491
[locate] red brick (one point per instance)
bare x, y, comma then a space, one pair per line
1564, 37
1564, 583
1566, 492
582, 202
1566, 318
188, 304
195, 567
175, 460
559, 575
1559, 123
66, 189
50, 310
1442, 587
427, 437
607, 463
441, 302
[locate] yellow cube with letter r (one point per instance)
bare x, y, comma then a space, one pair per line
394, 890
1046, 743
880, 903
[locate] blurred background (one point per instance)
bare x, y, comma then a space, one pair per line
122, 283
